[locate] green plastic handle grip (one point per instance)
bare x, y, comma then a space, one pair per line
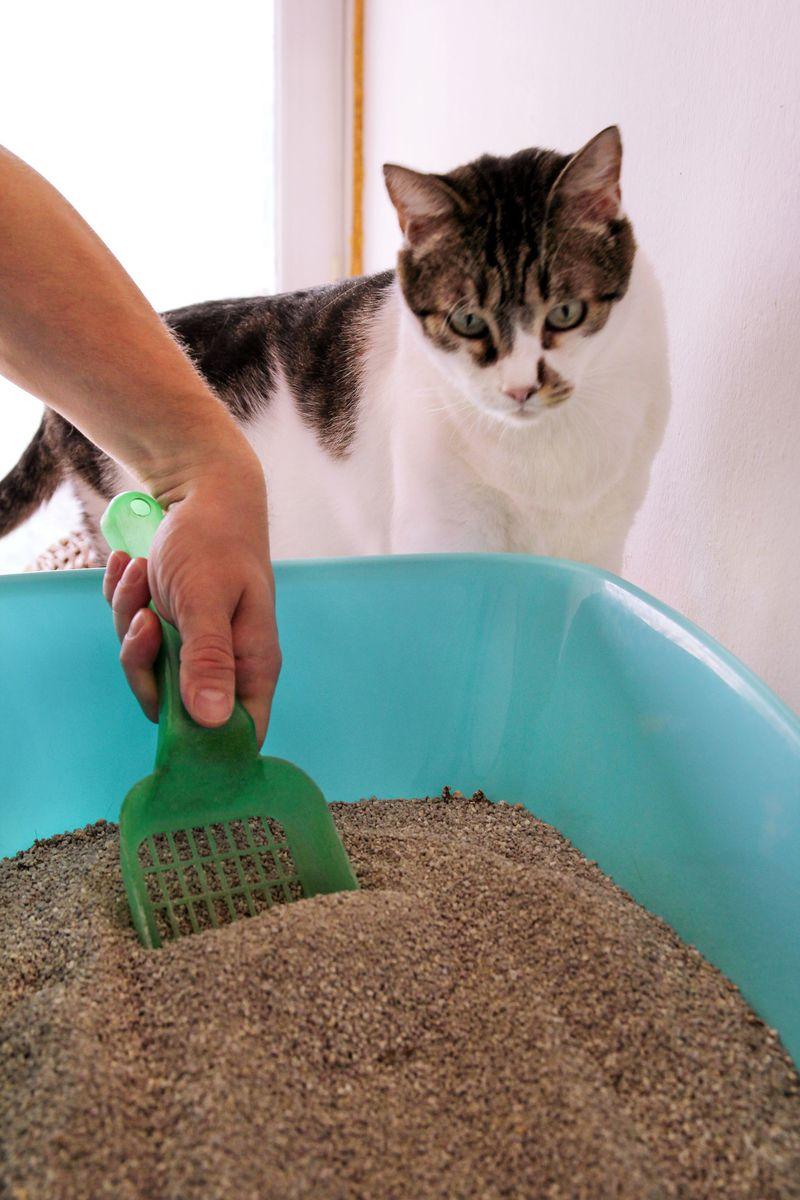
129, 523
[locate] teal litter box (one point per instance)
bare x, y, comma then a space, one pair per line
539, 681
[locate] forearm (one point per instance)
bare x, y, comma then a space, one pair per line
77, 332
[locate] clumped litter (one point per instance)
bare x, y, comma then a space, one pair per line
490, 1016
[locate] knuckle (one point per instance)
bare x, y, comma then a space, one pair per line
118, 599
262, 662
125, 590
208, 653
127, 657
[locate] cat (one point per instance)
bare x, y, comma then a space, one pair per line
504, 389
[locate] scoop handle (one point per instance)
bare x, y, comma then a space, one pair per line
129, 523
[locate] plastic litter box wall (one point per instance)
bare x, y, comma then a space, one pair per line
542, 682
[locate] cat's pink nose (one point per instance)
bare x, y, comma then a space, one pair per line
521, 394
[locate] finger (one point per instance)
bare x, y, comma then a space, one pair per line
258, 656
117, 562
208, 669
131, 593
137, 655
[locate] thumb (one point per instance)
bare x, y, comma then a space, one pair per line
208, 667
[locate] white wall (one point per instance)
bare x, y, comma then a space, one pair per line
708, 99
311, 142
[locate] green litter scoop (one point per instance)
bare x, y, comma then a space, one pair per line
217, 831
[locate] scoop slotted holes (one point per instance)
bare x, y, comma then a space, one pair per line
205, 877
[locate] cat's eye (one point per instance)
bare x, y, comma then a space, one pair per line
567, 315
467, 324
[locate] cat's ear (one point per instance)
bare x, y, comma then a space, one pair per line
587, 191
423, 202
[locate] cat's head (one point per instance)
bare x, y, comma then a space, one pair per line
512, 267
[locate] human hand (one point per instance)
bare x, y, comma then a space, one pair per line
209, 574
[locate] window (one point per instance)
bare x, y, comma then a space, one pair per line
157, 121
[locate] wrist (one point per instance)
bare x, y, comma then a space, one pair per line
209, 452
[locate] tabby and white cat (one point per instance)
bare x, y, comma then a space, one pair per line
505, 389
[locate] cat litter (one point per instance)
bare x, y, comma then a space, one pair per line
490, 1016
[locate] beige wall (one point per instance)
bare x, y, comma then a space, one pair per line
708, 99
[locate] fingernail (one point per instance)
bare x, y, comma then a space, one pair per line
138, 623
212, 705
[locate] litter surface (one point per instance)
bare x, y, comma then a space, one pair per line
488, 1017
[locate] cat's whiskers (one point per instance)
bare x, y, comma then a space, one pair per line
451, 406
599, 375
455, 405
